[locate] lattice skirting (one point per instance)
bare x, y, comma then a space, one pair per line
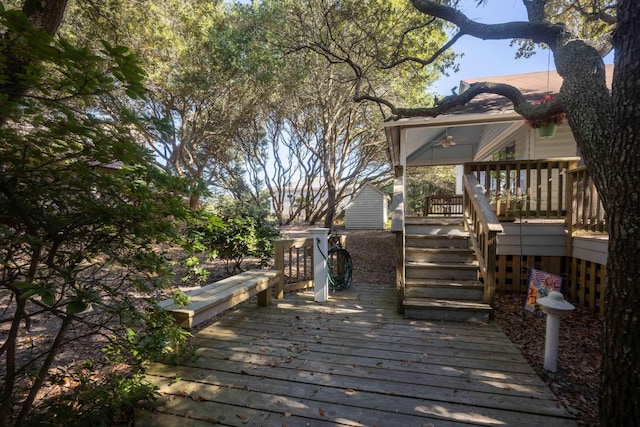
584, 281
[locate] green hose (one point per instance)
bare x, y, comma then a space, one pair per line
339, 266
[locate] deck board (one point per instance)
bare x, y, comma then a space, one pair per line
351, 361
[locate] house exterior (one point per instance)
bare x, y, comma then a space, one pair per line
561, 227
367, 210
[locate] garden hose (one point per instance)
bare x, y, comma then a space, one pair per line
339, 266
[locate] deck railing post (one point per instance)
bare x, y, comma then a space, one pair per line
279, 265
320, 274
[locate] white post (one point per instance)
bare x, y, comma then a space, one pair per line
459, 175
551, 343
555, 306
320, 276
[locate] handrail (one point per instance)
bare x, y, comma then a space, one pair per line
483, 226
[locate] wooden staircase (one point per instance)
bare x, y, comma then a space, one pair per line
441, 276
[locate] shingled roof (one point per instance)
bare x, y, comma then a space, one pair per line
534, 86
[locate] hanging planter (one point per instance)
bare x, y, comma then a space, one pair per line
546, 128
547, 131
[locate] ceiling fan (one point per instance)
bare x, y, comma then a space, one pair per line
447, 140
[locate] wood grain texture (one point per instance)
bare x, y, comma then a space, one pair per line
351, 361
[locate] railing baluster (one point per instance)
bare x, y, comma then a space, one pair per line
588, 212
302, 250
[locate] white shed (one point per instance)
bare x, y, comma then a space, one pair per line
367, 210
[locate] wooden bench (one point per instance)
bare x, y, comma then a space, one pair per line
214, 298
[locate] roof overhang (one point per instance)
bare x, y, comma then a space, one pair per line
419, 141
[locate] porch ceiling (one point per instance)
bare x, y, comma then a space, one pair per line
423, 137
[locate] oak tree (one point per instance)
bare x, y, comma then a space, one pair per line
606, 126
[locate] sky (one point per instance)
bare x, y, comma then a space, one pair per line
489, 58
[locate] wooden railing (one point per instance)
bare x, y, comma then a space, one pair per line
538, 188
443, 205
483, 226
294, 257
587, 213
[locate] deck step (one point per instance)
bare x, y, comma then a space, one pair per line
452, 240
421, 220
441, 275
446, 309
432, 229
470, 290
442, 271
448, 255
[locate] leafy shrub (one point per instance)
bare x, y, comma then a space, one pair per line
246, 232
83, 214
94, 401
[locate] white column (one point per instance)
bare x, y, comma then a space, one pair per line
459, 175
555, 306
551, 343
320, 276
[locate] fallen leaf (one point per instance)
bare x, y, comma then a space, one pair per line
321, 412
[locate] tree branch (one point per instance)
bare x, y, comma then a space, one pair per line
425, 62
535, 10
538, 31
521, 105
46, 15
595, 15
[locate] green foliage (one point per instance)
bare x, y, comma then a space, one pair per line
247, 232
96, 401
371, 38
590, 20
208, 76
83, 214
427, 181
200, 233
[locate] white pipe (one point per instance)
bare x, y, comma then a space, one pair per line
555, 307
551, 343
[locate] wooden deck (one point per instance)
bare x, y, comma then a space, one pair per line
352, 361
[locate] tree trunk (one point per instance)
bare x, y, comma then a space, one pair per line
9, 348
194, 202
45, 16
331, 204
620, 388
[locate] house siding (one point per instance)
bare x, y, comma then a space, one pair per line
593, 249
540, 239
561, 145
367, 210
